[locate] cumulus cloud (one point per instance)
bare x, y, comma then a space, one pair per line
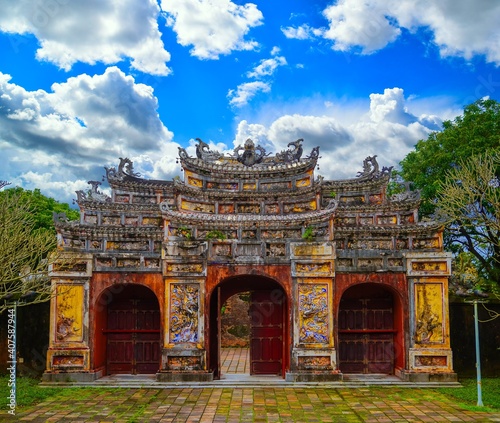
91, 31
458, 27
244, 92
80, 126
388, 129
262, 73
267, 67
214, 27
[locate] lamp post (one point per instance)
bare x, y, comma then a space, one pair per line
478, 354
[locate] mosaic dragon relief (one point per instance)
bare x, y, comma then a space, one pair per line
313, 306
184, 305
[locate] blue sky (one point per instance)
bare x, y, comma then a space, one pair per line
84, 83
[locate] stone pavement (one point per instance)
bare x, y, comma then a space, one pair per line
271, 404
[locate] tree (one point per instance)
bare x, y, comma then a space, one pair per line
468, 202
28, 245
476, 131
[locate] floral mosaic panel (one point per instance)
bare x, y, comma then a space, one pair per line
184, 306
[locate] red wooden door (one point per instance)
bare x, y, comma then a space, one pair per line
133, 336
366, 335
266, 335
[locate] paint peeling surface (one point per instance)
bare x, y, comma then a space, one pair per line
429, 314
313, 306
184, 305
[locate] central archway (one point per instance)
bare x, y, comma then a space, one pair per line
269, 323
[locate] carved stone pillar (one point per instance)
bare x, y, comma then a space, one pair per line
68, 355
313, 351
183, 353
429, 356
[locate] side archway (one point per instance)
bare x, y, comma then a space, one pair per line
370, 330
127, 336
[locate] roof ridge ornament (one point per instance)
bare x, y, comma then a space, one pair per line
251, 154
204, 153
371, 168
125, 168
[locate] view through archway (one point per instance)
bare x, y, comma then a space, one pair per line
248, 327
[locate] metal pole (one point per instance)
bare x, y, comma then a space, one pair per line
478, 357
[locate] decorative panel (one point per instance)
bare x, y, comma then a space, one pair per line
196, 206
184, 306
69, 317
300, 207
176, 268
275, 250
249, 208
313, 314
387, 220
195, 182
226, 208
272, 209
304, 182
250, 186
429, 315
316, 268
312, 249
229, 186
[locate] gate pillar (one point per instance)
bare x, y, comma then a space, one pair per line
68, 355
184, 272
430, 355
313, 350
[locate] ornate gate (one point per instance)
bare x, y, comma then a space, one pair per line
266, 335
366, 334
133, 336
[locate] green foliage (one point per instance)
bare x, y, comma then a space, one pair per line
308, 234
185, 232
42, 207
28, 245
469, 203
216, 234
476, 131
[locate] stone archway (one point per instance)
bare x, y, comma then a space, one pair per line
269, 323
128, 330
368, 329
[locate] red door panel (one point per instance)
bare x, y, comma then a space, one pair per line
266, 335
366, 335
133, 336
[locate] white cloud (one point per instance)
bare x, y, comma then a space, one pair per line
359, 23
80, 126
90, 31
214, 27
246, 91
459, 27
267, 67
302, 32
387, 129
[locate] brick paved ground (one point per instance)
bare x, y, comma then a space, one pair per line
288, 404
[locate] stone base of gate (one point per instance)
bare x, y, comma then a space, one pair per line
183, 376
67, 377
314, 376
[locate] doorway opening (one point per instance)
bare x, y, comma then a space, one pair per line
367, 330
235, 334
264, 328
131, 331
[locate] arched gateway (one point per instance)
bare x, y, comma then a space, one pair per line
343, 277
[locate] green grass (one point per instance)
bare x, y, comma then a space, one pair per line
29, 393
467, 396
